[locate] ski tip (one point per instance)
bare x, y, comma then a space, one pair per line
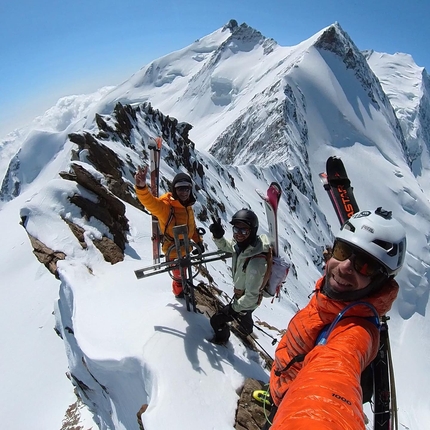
323, 178
155, 143
261, 194
276, 186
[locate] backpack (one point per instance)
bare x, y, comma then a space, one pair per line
275, 276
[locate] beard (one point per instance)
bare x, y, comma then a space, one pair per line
351, 295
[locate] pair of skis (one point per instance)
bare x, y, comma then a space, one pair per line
154, 165
338, 186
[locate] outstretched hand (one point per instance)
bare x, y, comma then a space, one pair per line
216, 228
140, 176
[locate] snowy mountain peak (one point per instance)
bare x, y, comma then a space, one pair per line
334, 39
247, 34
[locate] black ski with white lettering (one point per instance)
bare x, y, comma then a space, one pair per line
338, 186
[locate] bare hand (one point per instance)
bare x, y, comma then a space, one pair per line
140, 176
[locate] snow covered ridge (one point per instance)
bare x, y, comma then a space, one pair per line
236, 111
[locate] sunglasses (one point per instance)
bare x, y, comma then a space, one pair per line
363, 263
243, 231
183, 189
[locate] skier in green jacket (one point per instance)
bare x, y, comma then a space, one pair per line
249, 266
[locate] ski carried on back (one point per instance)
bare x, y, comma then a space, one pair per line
385, 408
279, 266
155, 153
338, 186
271, 202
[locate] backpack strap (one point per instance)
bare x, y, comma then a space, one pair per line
269, 259
164, 235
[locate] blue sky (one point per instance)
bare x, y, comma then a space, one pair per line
53, 48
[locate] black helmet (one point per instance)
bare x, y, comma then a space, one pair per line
246, 216
182, 180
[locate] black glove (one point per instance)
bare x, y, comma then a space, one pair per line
216, 228
200, 248
227, 310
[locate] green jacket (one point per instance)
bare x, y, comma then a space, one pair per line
250, 280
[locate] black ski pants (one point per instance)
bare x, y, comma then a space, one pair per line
220, 320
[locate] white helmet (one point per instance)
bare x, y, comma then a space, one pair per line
378, 234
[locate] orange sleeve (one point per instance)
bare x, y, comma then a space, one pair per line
156, 206
326, 393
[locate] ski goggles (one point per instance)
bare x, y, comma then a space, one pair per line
183, 189
363, 263
239, 230
183, 184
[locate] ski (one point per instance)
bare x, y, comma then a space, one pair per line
155, 152
280, 266
382, 390
271, 202
338, 186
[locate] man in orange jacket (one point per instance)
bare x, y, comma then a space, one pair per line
318, 386
172, 208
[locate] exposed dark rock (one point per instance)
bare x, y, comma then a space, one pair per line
124, 116
250, 414
77, 231
142, 410
231, 25
108, 209
104, 128
46, 255
101, 157
72, 417
102, 212
112, 253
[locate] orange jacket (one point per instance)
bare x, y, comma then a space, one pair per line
161, 208
323, 391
